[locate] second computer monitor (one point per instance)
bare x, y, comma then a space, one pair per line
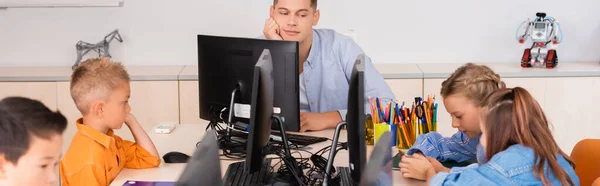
355, 119
261, 113
225, 63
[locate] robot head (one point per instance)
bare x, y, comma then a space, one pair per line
541, 15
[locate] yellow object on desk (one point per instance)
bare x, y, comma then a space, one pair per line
380, 128
369, 127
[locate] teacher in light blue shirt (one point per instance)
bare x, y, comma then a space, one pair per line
326, 62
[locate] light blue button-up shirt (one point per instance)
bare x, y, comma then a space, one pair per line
328, 69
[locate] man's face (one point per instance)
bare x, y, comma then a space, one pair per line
295, 19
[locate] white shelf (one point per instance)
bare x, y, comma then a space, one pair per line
59, 3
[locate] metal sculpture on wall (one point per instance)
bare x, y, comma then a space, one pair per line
102, 47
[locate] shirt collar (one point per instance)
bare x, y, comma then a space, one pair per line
315, 48
99, 137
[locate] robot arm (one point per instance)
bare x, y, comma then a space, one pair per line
554, 37
525, 36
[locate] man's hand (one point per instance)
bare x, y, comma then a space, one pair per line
271, 30
416, 166
319, 121
437, 165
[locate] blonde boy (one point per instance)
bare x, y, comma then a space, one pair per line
100, 89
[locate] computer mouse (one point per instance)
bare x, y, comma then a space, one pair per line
175, 157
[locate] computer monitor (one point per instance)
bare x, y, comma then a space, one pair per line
355, 119
206, 155
261, 113
261, 119
378, 171
227, 63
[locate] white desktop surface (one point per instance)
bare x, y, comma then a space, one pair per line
184, 139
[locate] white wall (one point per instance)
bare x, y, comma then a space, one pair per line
390, 31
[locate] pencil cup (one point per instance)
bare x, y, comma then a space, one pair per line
380, 128
405, 137
369, 130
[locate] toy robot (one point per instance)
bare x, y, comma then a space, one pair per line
543, 32
102, 47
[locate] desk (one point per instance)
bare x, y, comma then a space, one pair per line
184, 139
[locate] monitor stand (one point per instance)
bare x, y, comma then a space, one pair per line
288, 159
231, 110
332, 152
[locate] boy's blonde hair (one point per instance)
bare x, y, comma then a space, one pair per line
94, 80
473, 81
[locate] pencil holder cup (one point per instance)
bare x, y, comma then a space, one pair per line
380, 128
369, 131
405, 138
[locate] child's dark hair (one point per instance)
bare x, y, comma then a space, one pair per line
22, 118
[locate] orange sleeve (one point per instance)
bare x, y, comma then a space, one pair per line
597, 182
138, 157
89, 175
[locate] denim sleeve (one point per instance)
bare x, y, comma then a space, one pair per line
482, 175
458, 147
460, 169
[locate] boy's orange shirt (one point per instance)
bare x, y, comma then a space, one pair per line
95, 158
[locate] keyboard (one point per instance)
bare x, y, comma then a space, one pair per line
344, 177
302, 140
235, 175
